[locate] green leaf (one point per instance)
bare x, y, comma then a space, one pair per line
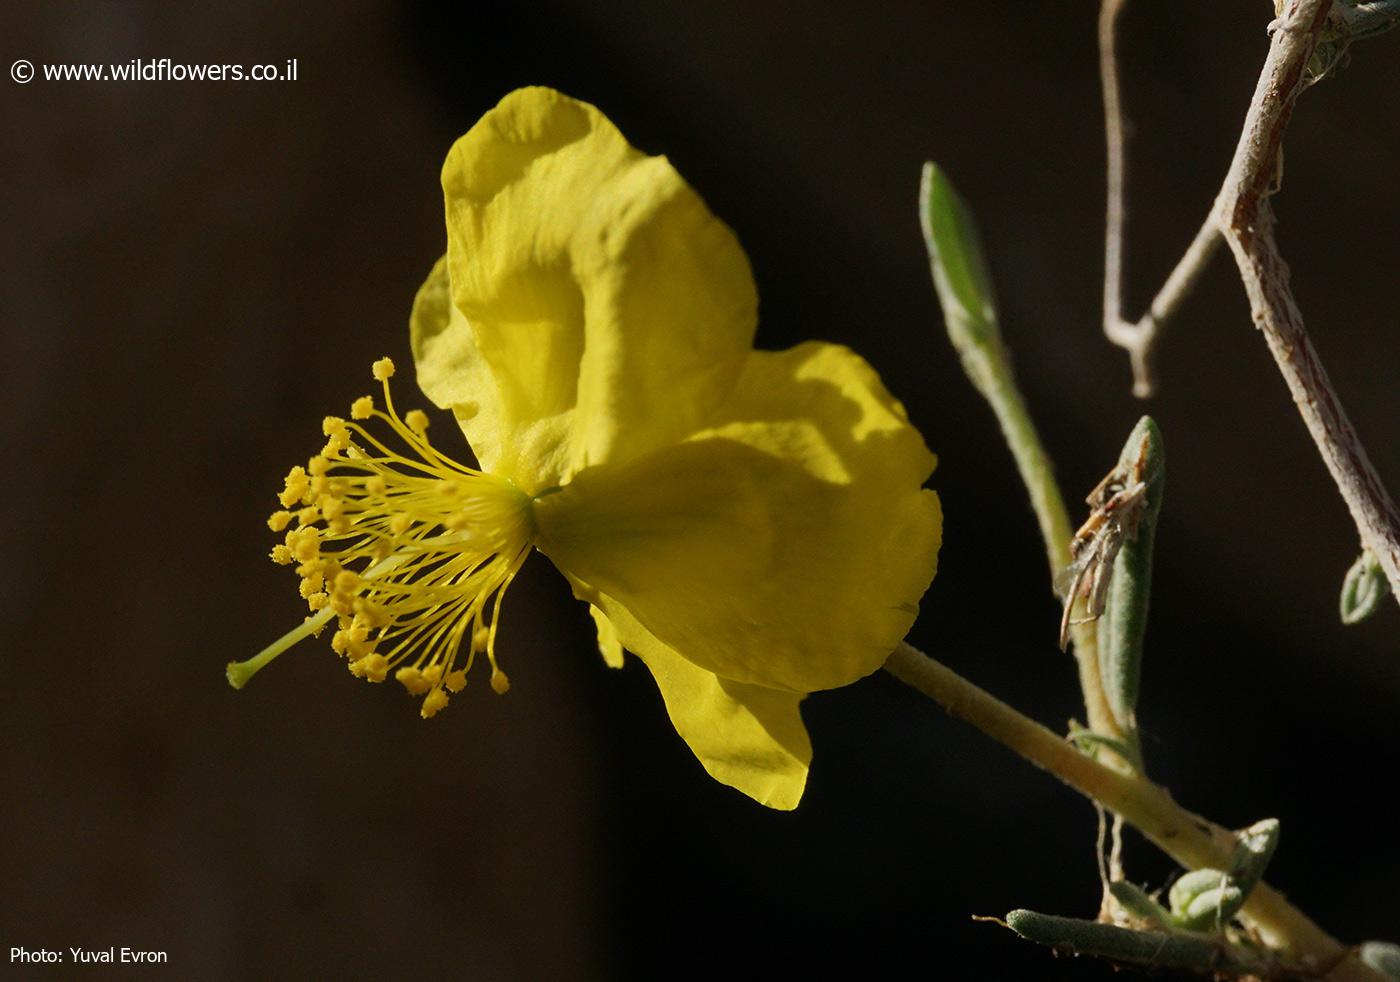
1158, 949
1125, 611
1363, 589
959, 269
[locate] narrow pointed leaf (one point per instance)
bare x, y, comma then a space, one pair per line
1125, 613
1156, 949
959, 268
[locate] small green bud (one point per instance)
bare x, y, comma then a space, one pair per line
1251, 857
1383, 956
1191, 885
1211, 910
1363, 589
1139, 904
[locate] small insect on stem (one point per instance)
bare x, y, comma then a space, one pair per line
1116, 507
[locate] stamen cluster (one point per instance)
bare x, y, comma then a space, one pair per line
407, 551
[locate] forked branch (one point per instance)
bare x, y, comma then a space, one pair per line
1243, 217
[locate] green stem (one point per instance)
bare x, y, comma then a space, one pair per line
1187, 838
988, 368
964, 286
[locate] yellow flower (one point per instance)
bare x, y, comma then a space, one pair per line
751, 524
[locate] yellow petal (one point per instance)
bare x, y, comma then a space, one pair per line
611, 310
786, 545
746, 736
609, 644
451, 370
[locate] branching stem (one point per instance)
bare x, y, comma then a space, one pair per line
1245, 217
1189, 839
1137, 338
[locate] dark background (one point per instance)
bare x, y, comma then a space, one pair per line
194, 273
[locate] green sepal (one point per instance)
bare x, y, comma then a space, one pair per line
959, 268
1383, 956
1137, 902
1363, 589
1157, 949
1125, 610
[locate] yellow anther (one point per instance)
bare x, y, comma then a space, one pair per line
375, 667
318, 465
400, 523
307, 545
347, 581
316, 601
307, 515
412, 680
480, 637
338, 526
295, 486
279, 520
332, 508
370, 614
500, 682
357, 632
309, 586
332, 425
383, 369
455, 681
417, 421
435, 701
339, 642
362, 408
281, 555
433, 673
376, 486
